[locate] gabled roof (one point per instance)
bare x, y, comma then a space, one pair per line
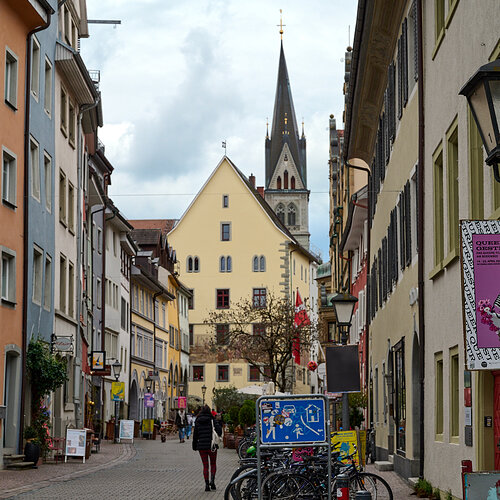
147, 236
165, 225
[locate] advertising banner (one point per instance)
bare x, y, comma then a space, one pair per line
126, 429
149, 400
117, 391
75, 442
181, 401
348, 442
481, 293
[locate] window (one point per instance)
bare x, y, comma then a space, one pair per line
196, 268
171, 335
229, 264
62, 283
400, 393
375, 382
292, 182
278, 182
292, 215
35, 68
255, 266
285, 180
64, 104
438, 20
222, 298
198, 373
280, 212
71, 207
225, 201
454, 396
163, 309
259, 297
98, 293
10, 78
438, 402
191, 299
258, 264
438, 208
262, 264
47, 96
111, 344
37, 275
67, 26
452, 174
225, 231
222, 334
99, 240
191, 334
47, 286
253, 374
62, 197
47, 180
71, 124
476, 170
71, 290
123, 314
35, 170
225, 264
8, 275
9, 175
258, 329
189, 265
222, 373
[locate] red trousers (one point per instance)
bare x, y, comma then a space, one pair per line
205, 454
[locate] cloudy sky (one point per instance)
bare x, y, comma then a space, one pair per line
178, 78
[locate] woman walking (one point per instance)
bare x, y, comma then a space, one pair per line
202, 441
181, 422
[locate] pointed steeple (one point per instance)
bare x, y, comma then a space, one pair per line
284, 127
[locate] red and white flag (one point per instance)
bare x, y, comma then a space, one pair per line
301, 319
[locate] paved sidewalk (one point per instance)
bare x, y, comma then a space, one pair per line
17, 481
167, 471
399, 487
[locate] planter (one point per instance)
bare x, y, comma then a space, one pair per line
230, 441
32, 452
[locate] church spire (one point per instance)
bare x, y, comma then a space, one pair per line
284, 128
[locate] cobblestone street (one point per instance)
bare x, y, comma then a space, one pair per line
144, 470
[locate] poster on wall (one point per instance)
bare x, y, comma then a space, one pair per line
480, 242
75, 443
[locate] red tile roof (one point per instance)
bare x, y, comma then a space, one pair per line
166, 225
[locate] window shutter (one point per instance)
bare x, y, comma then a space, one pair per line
408, 223
390, 277
384, 269
383, 156
392, 102
404, 46
387, 141
380, 280
415, 39
400, 86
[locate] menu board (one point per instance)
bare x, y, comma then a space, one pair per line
127, 429
75, 442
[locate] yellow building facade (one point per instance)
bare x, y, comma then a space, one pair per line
231, 246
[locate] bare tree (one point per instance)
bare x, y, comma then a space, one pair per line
261, 332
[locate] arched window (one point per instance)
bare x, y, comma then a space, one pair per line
222, 264
278, 182
292, 182
292, 211
285, 179
196, 265
255, 265
190, 264
280, 212
229, 264
262, 264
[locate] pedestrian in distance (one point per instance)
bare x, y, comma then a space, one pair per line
203, 442
189, 424
181, 422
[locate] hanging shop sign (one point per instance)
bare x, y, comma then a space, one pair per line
480, 242
61, 343
98, 361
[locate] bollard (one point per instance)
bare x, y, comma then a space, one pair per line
363, 495
342, 483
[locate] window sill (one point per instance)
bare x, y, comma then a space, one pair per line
454, 440
10, 105
439, 40
48, 113
8, 302
72, 142
495, 215
452, 256
451, 12
8, 204
64, 131
436, 271
438, 437
71, 230
63, 222
34, 95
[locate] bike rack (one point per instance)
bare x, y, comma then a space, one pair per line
313, 444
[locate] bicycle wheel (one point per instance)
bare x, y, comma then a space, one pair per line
285, 486
243, 447
376, 485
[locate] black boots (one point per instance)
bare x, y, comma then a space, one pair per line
212, 484
207, 485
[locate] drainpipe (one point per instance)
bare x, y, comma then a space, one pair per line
27, 106
420, 228
368, 245
78, 351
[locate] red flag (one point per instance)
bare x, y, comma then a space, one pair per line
301, 319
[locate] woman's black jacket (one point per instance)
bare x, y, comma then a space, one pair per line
202, 435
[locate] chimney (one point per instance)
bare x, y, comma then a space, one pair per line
252, 180
260, 189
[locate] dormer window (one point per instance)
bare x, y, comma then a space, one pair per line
285, 158
285, 179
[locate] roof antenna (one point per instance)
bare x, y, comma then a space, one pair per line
224, 146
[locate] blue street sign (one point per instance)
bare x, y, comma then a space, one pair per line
293, 421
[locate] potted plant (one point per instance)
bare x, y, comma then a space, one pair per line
32, 446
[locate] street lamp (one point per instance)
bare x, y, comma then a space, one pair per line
483, 95
203, 392
117, 368
343, 304
181, 389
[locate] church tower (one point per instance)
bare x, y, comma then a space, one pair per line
286, 171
